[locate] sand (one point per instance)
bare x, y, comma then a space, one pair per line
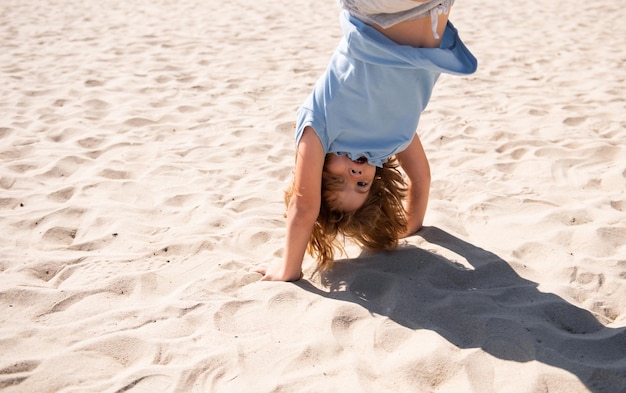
144, 149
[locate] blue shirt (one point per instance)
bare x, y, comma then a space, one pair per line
369, 100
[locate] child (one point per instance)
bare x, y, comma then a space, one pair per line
358, 125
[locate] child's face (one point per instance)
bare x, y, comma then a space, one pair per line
349, 181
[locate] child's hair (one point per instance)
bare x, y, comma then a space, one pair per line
375, 226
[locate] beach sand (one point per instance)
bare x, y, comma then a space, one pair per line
145, 147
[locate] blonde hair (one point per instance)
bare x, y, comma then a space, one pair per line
375, 226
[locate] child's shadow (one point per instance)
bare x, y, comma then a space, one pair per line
489, 307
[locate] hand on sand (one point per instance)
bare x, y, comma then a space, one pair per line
278, 272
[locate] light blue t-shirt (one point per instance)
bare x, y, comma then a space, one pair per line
369, 100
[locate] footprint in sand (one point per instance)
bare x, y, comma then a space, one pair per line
287, 128
46, 271
5, 132
390, 336
17, 372
97, 104
344, 323
574, 121
62, 195
60, 235
514, 343
113, 174
236, 317
90, 142
64, 167
138, 122
93, 83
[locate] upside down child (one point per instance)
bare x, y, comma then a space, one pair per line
358, 127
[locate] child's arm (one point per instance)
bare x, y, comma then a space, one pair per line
415, 164
303, 209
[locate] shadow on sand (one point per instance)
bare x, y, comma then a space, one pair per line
490, 307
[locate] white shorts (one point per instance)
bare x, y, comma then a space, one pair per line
386, 13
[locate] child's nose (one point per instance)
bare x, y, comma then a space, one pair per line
355, 171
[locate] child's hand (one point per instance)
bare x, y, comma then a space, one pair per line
276, 272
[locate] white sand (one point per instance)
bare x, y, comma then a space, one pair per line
144, 149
